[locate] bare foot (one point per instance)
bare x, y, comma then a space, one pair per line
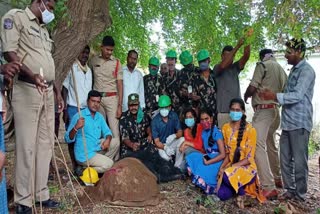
240, 202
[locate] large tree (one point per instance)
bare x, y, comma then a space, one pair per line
190, 24
84, 21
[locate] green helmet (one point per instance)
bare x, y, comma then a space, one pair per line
171, 54
202, 55
154, 61
164, 101
186, 58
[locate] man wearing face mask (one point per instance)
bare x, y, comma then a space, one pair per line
227, 78
267, 74
204, 84
167, 132
152, 89
25, 36
169, 84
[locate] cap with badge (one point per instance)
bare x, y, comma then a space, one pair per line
133, 99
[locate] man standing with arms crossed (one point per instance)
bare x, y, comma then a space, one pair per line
108, 80
23, 33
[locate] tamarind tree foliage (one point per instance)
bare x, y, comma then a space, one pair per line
197, 24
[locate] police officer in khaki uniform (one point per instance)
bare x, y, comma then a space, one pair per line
268, 74
108, 80
24, 35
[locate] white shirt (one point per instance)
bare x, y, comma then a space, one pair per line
132, 83
84, 85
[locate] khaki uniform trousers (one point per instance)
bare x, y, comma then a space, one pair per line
262, 121
223, 118
108, 108
34, 128
103, 160
272, 148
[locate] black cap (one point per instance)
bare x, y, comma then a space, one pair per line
296, 44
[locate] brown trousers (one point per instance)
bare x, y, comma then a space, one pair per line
267, 156
108, 109
34, 142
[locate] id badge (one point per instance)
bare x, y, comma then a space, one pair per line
157, 98
189, 89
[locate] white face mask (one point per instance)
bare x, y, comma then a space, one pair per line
47, 16
164, 112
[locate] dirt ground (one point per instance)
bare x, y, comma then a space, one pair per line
176, 197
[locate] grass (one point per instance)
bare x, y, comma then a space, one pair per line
279, 210
314, 142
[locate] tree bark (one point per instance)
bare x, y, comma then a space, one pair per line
85, 20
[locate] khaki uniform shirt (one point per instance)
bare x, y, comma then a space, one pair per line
272, 77
104, 74
22, 33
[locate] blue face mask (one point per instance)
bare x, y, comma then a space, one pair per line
189, 122
235, 115
204, 66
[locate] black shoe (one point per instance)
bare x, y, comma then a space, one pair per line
21, 209
49, 204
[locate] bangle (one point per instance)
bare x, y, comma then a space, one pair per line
75, 129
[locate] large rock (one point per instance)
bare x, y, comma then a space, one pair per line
127, 183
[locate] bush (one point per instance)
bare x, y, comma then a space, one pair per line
314, 141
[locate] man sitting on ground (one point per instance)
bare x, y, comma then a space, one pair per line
167, 132
137, 142
97, 136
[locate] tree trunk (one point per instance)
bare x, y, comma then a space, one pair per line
85, 20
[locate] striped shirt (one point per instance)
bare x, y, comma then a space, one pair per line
296, 100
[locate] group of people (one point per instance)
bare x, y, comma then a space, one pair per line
176, 121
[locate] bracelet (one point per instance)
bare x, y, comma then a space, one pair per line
75, 129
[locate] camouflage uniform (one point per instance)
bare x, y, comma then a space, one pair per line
152, 90
207, 92
147, 153
133, 131
186, 78
169, 86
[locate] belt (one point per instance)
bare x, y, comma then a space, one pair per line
264, 106
108, 94
27, 80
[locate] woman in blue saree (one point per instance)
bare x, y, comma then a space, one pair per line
204, 168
